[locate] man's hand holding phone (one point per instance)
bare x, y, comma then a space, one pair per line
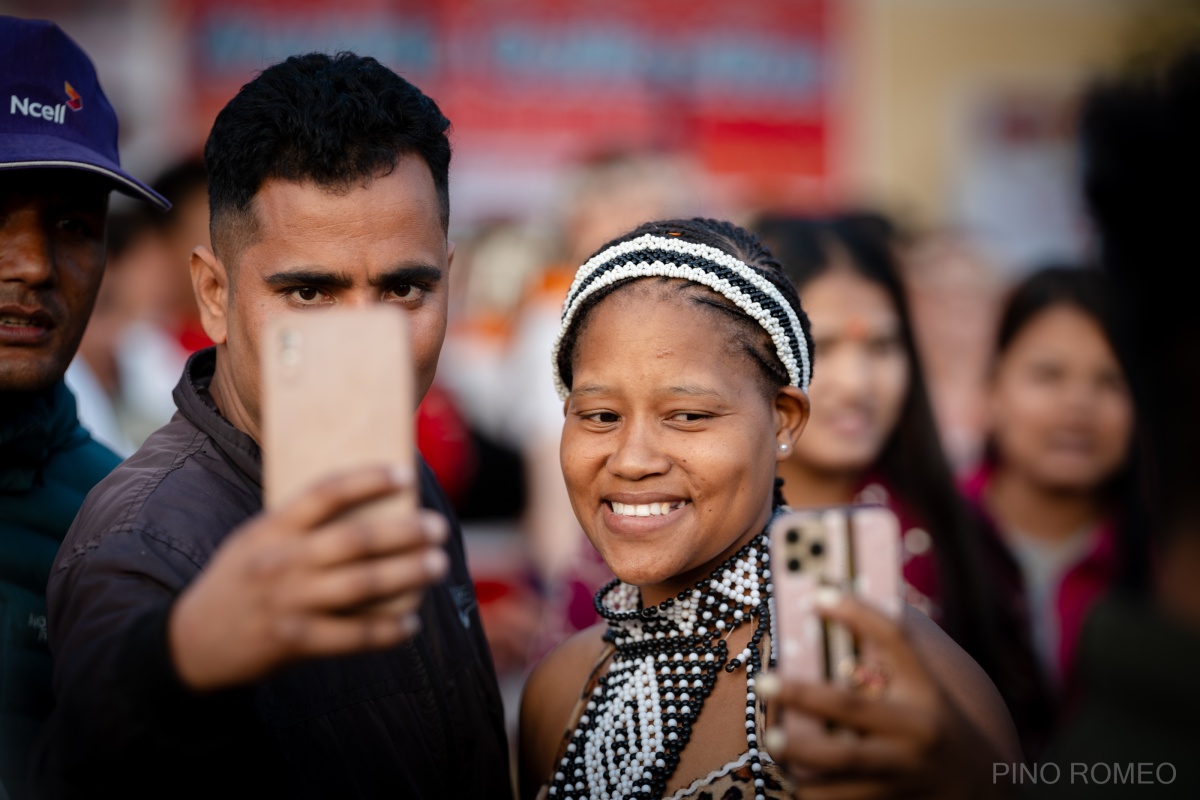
339, 560
307, 579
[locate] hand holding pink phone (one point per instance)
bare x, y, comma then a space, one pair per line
820, 551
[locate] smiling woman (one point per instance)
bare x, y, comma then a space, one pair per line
873, 436
684, 361
693, 443
1056, 486
873, 433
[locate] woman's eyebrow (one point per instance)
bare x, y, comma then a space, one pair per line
683, 389
591, 390
694, 390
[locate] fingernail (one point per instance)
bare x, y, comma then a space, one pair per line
401, 474
775, 741
434, 528
827, 597
436, 561
768, 685
410, 624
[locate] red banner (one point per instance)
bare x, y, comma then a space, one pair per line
742, 86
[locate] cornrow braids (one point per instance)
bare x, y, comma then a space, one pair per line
778, 338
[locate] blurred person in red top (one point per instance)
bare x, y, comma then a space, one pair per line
1054, 483
872, 436
1139, 651
164, 326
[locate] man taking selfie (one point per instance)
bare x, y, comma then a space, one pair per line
204, 647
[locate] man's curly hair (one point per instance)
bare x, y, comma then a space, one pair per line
335, 120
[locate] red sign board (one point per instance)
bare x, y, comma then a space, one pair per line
742, 86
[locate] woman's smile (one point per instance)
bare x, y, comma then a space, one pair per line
634, 515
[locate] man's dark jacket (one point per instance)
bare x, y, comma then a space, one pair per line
48, 463
420, 720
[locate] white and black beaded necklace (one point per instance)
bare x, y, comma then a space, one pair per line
639, 718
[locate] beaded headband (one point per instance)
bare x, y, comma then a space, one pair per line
661, 256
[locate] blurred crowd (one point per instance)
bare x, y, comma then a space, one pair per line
1012, 414
990, 409
145, 322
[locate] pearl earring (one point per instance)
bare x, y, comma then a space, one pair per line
783, 447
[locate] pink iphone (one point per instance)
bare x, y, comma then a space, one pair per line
338, 393
850, 549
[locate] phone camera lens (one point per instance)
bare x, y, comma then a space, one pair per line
793, 536
289, 353
794, 565
816, 548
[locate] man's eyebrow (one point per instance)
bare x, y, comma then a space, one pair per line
407, 273
324, 278
310, 276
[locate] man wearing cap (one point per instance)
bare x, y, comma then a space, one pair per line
58, 163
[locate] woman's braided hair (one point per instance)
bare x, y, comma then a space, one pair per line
747, 334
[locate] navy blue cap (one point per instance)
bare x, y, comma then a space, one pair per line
53, 113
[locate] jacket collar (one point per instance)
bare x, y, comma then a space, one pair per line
32, 428
196, 404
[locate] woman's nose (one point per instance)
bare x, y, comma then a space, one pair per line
846, 372
638, 454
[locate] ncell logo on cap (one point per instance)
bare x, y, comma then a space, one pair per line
36, 57
56, 113
75, 102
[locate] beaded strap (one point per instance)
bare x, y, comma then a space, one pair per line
661, 256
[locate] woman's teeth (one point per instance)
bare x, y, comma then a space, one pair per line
646, 509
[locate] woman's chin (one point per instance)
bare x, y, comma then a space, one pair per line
641, 575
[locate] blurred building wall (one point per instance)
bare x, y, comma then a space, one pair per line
915, 68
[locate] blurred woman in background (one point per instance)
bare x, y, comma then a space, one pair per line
1054, 484
872, 436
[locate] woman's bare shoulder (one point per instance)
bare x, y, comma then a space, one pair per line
552, 678
550, 694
